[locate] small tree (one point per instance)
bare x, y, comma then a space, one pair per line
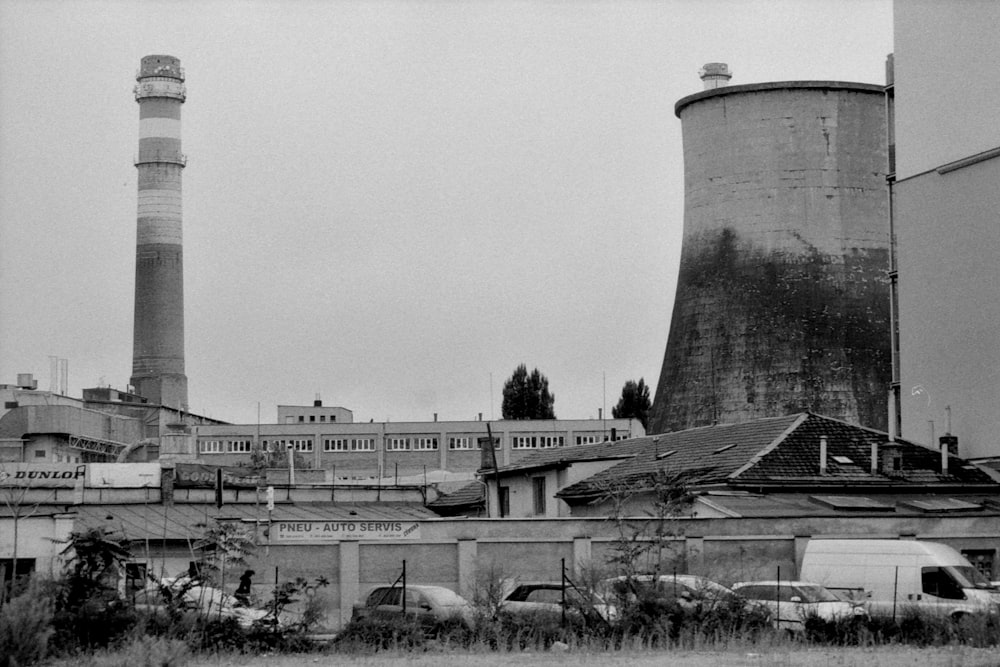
527, 396
224, 546
634, 402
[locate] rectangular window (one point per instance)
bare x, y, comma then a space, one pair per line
425, 444
363, 445
982, 560
312, 418
240, 446
322, 418
586, 439
397, 444
302, 418
303, 445
135, 577
25, 568
273, 445
538, 495
336, 445
550, 441
39, 453
210, 447
524, 442
460, 443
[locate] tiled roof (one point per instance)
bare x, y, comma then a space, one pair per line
188, 521
797, 458
470, 495
709, 453
778, 451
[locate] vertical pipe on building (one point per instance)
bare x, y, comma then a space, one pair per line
822, 455
158, 335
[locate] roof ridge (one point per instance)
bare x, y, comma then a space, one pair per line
756, 458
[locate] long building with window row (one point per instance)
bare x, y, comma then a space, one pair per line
398, 448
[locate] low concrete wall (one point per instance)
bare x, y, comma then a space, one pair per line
454, 552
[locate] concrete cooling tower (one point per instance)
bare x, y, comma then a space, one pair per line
782, 299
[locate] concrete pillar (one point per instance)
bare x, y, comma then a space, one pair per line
800, 551
350, 578
694, 554
468, 553
582, 555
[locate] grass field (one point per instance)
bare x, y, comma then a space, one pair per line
883, 656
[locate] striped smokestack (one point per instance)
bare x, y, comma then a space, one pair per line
158, 343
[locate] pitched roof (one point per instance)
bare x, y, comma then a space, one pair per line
777, 451
471, 495
849, 459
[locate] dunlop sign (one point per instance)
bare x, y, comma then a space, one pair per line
319, 532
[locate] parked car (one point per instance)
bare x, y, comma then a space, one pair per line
692, 592
429, 604
791, 602
548, 597
202, 599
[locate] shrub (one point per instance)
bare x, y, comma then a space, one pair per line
25, 626
381, 634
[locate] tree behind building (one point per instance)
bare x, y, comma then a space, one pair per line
526, 396
634, 402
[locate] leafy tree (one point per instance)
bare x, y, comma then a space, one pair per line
634, 402
224, 547
526, 396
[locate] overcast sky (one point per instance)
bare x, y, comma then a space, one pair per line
385, 203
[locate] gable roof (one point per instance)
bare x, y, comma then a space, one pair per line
472, 496
778, 452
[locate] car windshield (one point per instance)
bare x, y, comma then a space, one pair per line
817, 594
969, 577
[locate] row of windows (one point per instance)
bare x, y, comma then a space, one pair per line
392, 444
349, 445
536, 441
312, 418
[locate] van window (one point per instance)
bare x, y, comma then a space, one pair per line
937, 581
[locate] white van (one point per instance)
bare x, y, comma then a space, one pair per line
896, 574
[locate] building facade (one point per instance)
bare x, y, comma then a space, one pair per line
946, 223
396, 449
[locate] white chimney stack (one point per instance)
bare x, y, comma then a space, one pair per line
874, 458
822, 454
715, 75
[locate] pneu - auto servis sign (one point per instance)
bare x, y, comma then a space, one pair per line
324, 532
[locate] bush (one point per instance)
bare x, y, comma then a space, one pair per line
381, 634
25, 626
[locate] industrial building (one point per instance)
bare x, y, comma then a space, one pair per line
946, 224
343, 450
782, 300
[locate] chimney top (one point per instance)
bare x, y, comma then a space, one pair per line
715, 75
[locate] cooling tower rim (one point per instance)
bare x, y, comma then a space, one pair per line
684, 102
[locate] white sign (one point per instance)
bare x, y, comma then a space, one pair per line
42, 475
319, 532
124, 475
